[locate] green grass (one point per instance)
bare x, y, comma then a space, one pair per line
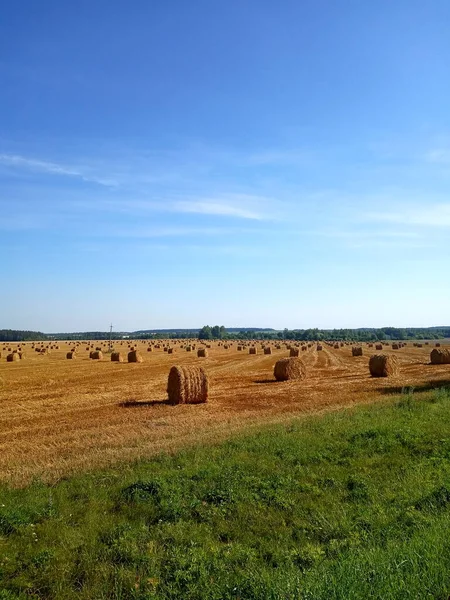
354, 504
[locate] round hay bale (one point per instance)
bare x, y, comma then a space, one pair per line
188, 348
252, 350
319, 347
267, 350
293, 352
289, 368
117, 357
187, 385
239, 348
438, 345
21, 355
134, 357
170, 350
357, 351
202, 353
71, 355
395, 347
378, 347
440, 357
96, 355
383, 365
149, 349
13, 357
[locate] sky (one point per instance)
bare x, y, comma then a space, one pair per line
247, 163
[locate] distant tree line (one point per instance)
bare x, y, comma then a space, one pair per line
361, 335
218, 332
16, 335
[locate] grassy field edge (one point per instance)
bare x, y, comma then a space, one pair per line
350, 504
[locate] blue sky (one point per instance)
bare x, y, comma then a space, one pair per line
247, 163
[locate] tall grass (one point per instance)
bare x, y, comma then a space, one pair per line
351, 505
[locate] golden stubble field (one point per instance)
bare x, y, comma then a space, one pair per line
61, 416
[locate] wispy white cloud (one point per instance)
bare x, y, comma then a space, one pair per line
241, 206
52, 168
214, 208
433, 215
278, 157
374, 234
440, 156
160, 232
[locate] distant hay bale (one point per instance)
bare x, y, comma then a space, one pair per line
304, 349
117, 357
440, 357
202, 353
293, 352
252, 350
13, 357
420, 345
21, 355
357, 351
170, 350
134, 357
319, 347
239, 348
188, 348
336, 346
96, 355
289, 368
45, 351
71, 355
267, 350
437, 344
378, 347
395, 346
149, 349
187, 385
383, 365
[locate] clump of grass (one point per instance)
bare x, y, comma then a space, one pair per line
350, 505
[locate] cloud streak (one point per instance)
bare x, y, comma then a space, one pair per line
20, 162
435, 215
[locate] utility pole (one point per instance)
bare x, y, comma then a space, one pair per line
110, 335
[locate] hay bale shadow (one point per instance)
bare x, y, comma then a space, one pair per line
262, 381
141, 403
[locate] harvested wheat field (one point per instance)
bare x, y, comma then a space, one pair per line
61, 416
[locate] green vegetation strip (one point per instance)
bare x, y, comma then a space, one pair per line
354, 504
